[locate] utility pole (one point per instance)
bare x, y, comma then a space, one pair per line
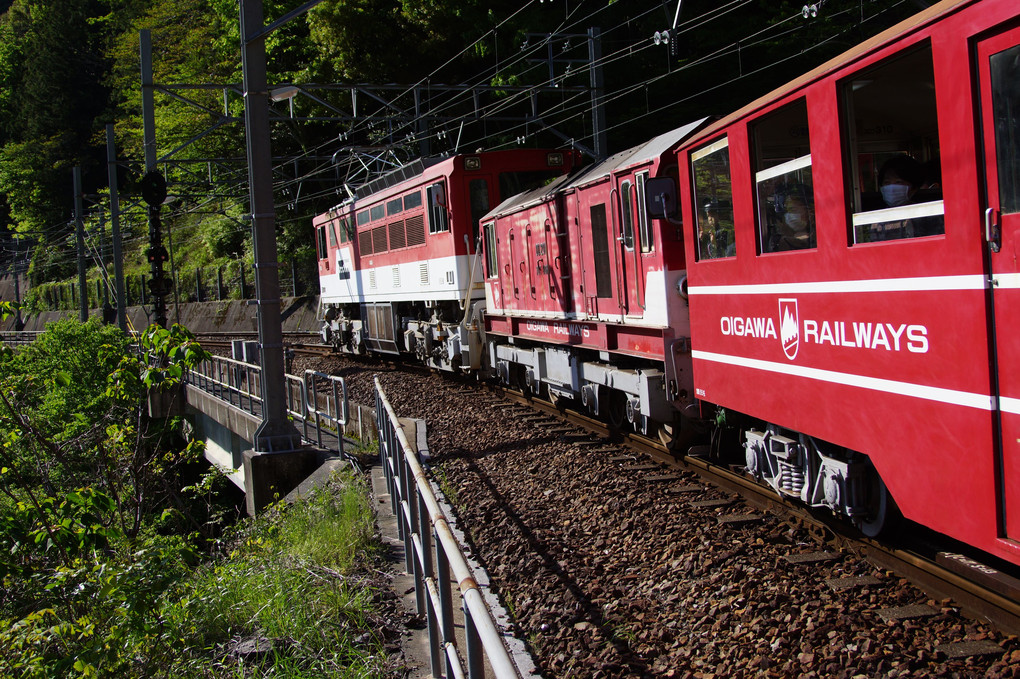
153, 187
598, 104
276, 433
79, 228
118, 255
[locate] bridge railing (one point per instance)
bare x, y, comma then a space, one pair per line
17, 338
317, 401
417, 510
236, 382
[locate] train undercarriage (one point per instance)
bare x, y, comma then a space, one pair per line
819, 475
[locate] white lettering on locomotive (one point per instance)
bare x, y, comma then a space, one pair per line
564, 329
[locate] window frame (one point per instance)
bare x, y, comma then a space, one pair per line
626, 215
491, 252
704, 151
646, 235
438, 216
858, 216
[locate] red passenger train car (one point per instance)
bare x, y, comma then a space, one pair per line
396, 260
852, 243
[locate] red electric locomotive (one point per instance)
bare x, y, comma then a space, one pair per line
852, 244
396, 261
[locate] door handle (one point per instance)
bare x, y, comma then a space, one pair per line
990, 227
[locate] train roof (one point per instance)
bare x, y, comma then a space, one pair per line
868, 46
632, 157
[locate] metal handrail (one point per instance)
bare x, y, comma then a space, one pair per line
240, 384
415, 506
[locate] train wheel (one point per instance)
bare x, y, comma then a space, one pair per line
616, 413
522, 381
881, 508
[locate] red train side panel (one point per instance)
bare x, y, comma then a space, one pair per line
854, 320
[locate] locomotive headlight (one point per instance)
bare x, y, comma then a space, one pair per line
681, 287
472, 163
554, 159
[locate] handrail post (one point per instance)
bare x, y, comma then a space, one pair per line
475, 657
445, 598
420, 593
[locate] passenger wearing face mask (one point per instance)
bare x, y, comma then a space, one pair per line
899, 179
795, 219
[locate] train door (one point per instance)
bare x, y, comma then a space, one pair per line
600, 261
635, 242
999, 72
519, 291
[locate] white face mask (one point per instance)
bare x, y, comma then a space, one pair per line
795, 221
895, 194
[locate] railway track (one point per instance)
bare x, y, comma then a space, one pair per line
982, 590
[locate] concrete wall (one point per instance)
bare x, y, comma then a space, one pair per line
298, 315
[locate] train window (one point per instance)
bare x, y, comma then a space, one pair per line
363, 218
412, 200
491, 263
394, 207
512, 183
320, 239
600, 250
378, 212
626, 215
479, 190
644, 230
785, 193
892, 131
1005, 74
438, 221
713, 200
345, 229
331, 230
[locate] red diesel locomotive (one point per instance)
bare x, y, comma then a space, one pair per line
822, 282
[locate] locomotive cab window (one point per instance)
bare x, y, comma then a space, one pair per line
785, 193
626, 215
644, 223
331, 230
892, 131
491, 264
713, 200
479, 191
321, 240
438, 220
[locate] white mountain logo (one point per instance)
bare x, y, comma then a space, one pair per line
789, 327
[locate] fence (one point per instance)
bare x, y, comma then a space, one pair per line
320, 414
231, 281
416, 508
